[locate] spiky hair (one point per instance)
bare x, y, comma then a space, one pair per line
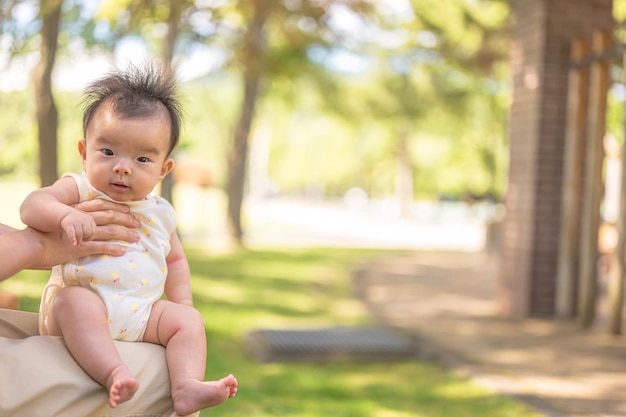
136, 91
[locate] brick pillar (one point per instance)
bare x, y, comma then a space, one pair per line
541, 38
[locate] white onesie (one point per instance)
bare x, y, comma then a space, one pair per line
130, 284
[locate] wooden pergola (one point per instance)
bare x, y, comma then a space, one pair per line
560, 58
583, 185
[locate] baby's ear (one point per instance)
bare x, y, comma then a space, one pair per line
82, 148
167, 167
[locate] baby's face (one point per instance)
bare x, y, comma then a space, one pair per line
125, 158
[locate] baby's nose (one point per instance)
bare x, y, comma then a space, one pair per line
121, 168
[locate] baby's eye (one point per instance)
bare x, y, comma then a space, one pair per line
107, 152
143, 159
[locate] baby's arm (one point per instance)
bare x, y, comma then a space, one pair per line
178, 282
48, 209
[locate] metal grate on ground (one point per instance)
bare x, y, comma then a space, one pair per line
338, 343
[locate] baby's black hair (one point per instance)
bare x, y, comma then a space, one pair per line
136, 92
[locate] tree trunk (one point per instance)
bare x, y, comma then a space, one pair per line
237, 157
46, 111
167, 53
404, 172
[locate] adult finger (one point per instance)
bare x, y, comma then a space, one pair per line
115, 217
114, 232
108, 248
99, 204
106, 212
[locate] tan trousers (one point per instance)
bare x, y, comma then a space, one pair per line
40, 378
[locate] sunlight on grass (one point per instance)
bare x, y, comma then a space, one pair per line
300, 288
308, 288
349, 310
459, 390
230, 292
392, 413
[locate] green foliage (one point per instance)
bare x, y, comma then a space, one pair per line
619, 10
70, 130
210, 107
311, 146
436, 72
18, 142
291, 288
615, 114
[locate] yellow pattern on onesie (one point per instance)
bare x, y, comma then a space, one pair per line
130, 284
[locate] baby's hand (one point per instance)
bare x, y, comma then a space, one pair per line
78, 227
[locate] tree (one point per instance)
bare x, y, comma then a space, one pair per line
274, 42
46, 24
432, 70
252, 59
267, 42
22, 33
449, 65
46, 111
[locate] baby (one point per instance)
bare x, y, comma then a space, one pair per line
131, 125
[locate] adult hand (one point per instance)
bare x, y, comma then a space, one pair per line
114, 220
29, 248
114, 223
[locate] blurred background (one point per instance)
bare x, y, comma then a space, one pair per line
382, 118
321, 133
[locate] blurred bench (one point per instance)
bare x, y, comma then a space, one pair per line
338, 343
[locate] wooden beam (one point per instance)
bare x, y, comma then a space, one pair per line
598, 89
573, 168
616, 273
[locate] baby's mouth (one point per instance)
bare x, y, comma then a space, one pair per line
119, 186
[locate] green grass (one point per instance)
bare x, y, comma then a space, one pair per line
297, 289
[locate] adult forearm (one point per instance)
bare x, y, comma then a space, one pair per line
20, 248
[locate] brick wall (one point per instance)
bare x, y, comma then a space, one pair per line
541, 37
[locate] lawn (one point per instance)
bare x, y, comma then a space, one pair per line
304, 288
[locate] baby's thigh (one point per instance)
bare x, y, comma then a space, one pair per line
168, 318
76, 306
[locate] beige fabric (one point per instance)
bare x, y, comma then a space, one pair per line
55, 283
40, 378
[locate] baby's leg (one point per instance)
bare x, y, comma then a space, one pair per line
79, 315
180, 329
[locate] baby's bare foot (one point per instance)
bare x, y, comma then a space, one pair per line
194, 395
122, 386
